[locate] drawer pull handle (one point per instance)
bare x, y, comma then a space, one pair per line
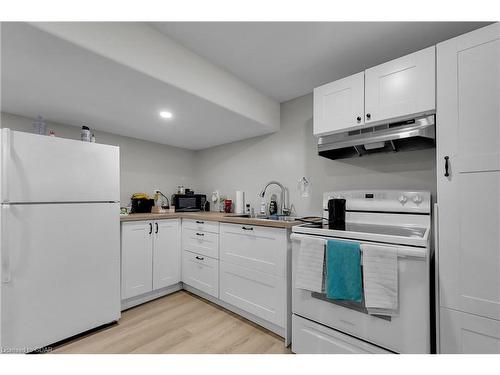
200, 222
200, 258
200, 234
247, 228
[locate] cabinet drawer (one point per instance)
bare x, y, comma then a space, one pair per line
255, 292
201, 272
312, 338
463, 333
258, 248
200, 242
201, 225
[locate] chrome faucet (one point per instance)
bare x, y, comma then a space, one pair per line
283, 208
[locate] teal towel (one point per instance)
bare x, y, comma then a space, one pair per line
343, 271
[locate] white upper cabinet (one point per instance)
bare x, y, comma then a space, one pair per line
339, 105
397, 90
401, 88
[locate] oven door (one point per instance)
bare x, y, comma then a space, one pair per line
407, 332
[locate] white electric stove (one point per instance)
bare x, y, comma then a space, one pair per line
393, 218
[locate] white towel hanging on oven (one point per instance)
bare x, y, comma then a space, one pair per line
310, 265
380, 279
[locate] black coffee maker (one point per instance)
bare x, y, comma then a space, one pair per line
336, 214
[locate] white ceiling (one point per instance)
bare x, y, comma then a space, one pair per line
44, 75
286, 60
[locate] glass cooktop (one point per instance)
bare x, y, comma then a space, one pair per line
389, 230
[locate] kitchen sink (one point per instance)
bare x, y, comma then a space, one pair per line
267, 217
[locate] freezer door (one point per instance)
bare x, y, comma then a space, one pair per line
38, 168
60, 271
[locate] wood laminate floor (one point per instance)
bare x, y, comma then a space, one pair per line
178, 323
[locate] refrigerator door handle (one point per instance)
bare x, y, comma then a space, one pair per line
6, 160
6, 273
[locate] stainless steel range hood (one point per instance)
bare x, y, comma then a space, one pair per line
408, 135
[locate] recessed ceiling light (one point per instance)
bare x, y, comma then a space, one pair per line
165, 114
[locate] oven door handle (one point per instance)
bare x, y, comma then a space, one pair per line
402, 251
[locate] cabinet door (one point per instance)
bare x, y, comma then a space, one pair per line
401, 88
256, 292
166, 253
468, 133
137, 253
339, 105
463, 333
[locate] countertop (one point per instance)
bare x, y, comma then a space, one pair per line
212, 216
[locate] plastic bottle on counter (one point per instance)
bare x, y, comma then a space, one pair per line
263, 206
85, 134
92, 138
39, 126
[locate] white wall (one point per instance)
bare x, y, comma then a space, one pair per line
291, 153
248, 165
144, 165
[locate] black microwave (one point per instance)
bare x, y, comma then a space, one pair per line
189, 202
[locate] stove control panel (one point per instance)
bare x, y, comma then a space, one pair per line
416, 201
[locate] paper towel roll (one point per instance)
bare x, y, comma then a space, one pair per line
239, 204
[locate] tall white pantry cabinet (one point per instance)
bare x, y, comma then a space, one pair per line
468, 186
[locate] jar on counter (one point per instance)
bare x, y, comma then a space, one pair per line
228, 206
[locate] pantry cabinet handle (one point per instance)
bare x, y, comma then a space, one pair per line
150, 228
446, 173
200, 222
200, 258
156, 228
200, 234
245, 228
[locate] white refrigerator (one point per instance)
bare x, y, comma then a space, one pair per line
60, 239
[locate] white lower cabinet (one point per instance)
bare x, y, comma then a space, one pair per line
150, 255
313, 338
253, 270
251, 274
137, 258
201, 272
166, 253
256, 292
463, 333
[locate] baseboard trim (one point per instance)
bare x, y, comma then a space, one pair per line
147, 297
280, 331
150, 296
